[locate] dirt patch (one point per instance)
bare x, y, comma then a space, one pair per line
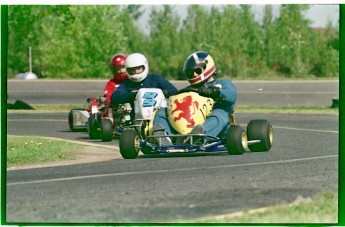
88, 154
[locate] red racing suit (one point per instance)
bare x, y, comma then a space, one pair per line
112, 85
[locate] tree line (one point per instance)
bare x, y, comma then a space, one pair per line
77, 41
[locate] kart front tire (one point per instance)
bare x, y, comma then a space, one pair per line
260, 130
106, 130
236, 140
94, 126
129, 144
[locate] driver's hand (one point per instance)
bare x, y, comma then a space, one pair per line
212, 92
166, 93
102, 99
132, 95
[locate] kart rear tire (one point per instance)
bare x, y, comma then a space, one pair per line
129, 143
260, 130
236, 140
106, 130
70, 121
94, 126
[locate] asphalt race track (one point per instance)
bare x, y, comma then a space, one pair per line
303, 161
267, 93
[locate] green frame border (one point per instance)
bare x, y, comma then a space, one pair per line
4, 49
341, 185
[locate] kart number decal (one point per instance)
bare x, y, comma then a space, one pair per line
149, 99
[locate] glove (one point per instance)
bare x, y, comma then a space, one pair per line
102, 99
212, 92
132, 96
166, 93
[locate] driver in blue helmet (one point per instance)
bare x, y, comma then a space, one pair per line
200, 71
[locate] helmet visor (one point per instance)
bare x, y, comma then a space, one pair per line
117, 69
190, 72
135, 70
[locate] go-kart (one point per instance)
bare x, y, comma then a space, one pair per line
79, 119
114, 120
185, 110
102, 120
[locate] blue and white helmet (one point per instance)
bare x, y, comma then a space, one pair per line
200, 63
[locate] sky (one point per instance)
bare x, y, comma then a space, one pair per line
319, 14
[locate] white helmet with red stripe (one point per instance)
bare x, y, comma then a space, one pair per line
198, 67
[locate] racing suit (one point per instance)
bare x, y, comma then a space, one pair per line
219, 117
111, 86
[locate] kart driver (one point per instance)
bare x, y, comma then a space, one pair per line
118, 69
139, 77
199, 69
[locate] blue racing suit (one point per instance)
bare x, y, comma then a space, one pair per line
219, 116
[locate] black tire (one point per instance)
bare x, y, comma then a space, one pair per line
129, 144
94, 126
260, 130
236, 140
70, 121
106, 130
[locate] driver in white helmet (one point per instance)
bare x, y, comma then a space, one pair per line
137, 68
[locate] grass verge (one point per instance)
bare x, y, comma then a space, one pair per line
287, 109
30, 149
323, 208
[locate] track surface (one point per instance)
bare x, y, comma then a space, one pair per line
170, 188
266, 93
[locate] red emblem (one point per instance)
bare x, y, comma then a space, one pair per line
187, 108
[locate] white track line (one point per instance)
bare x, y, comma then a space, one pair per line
170, 170
304, 129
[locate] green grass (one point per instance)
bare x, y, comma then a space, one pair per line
287, 109
323, 208
30, 149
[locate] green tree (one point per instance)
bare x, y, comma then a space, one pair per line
324, 60
78, 41
85, 47
290, 39
135, 40
268, 33
252, 42
24, 24
165, 41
